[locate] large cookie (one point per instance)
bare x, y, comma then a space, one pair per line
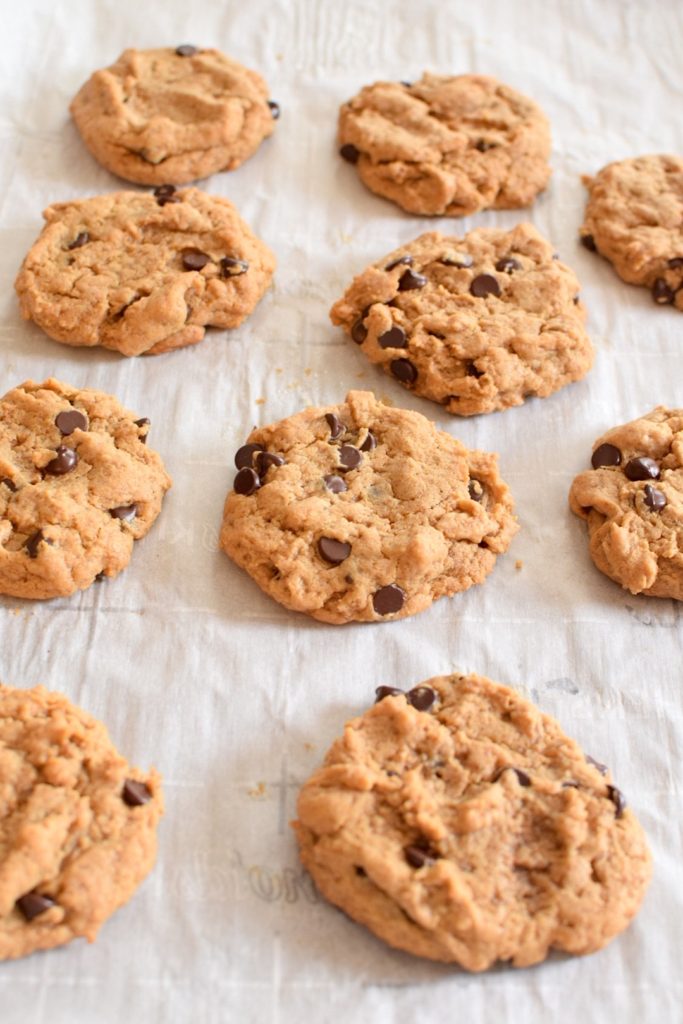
362, 512
77, 823
448, 145
169, 115
634, 218
459, 823
475, 323
142, 273
78, 486
632, 500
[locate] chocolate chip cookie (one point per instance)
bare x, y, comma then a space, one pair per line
77, 823
476, 323
634, 218
362, 512
173, 115
143, 272
632, 500
78, 486
459, 823
448, 145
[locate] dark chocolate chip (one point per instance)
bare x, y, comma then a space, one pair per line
10, 484
337, 428
475, 490
387, 691
508, 264
194, 259
246, 482
101, 576
472, 370
421, 697
388, 600
359, 332
575, 300
231, 266
244, 456
126, 513
360, 871
34, 903
676, 262
618, 799
605, 455
457, 259
274, 109
642, 468
602, 768
264, 460
482, 145
349, 152
33, 543
349, 457
395, 337
333, 551
82, 238
163, 200
64, 461
419, 856
186, 50
369, 443
70, 420
135, 793
662, 293
403, 370
143, 422
588, 242
522, 777
335, 483
484, 284
407, 259
166, 194
410, 280
654, 499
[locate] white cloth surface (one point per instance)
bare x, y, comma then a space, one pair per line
233, 698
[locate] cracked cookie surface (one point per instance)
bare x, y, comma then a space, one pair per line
159, 116
142, 273
447, 145
459, 823
77, 823
634, 218
632, 501
78, 486
476, 323
362, 512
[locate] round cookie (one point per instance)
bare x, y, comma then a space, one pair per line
78, 486
634, 218
362, 513
476, 323
448, 145
142, 273
632, 501
170, 115
77, 823
459, 823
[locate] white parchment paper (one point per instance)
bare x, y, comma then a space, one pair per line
235, 699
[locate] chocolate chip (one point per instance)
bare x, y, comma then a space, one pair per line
475, 490
508, 264
244, 456
135, 793
194, 259
484, 284
369, 443
388, 600
166, 194
349, 457
349, 153
522, 777
421, 697
337, 428
101, 576
264, 460
10, 484
618, 799
457, 259
64, 461
419, 856
34, 903
387, 691
33, 543
570, 785
605, 455
163, 200
482, 145
246, 482
333, 551
274, 109
186, 50
662, 293
406, 84
407, 259
82, 238
654, 499
676, 262
143, 422
641, 469
70, 420
472, 370
575, 300
602, 768
410, 280
126, 513
359, 332
403, 370
335, 483
360, 871
588, 242
395, 337
231, 266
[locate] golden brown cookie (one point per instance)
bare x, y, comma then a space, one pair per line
77, 823
459, 823
168, 115
362, 512
78, 486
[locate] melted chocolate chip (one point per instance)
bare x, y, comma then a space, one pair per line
9, 484
588, 242
602, 768
605, 455
64, 461
359, 332
508, 264
246, 482
186, 50
370, 443
349, 457
662, 293
333, 551
194, 259
34, 903
472, 370
403, 370
126, 513
484, 284
641, 469
264, 460
33, 543
475, 490
349, 152
457, 259
395, 337
419, 856
421, 697
618, 799
335, 483
70, 420
135, 793
388, 600
399, 261
244, 456
231, 266
337, 428
274, 109
82, 238
410, 279
654, 499
387, 691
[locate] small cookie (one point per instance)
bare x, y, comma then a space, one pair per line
459, 823
78, 486
77, 823
448, 145
475, 323
173, 115
142, 273
632, 500
361, 513
634, 218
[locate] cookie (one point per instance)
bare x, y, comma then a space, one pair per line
77, 823
448, 145
476, 323
632, 501
634, 218
78, 486
142, 273
360, 512
457, 822
168, 115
